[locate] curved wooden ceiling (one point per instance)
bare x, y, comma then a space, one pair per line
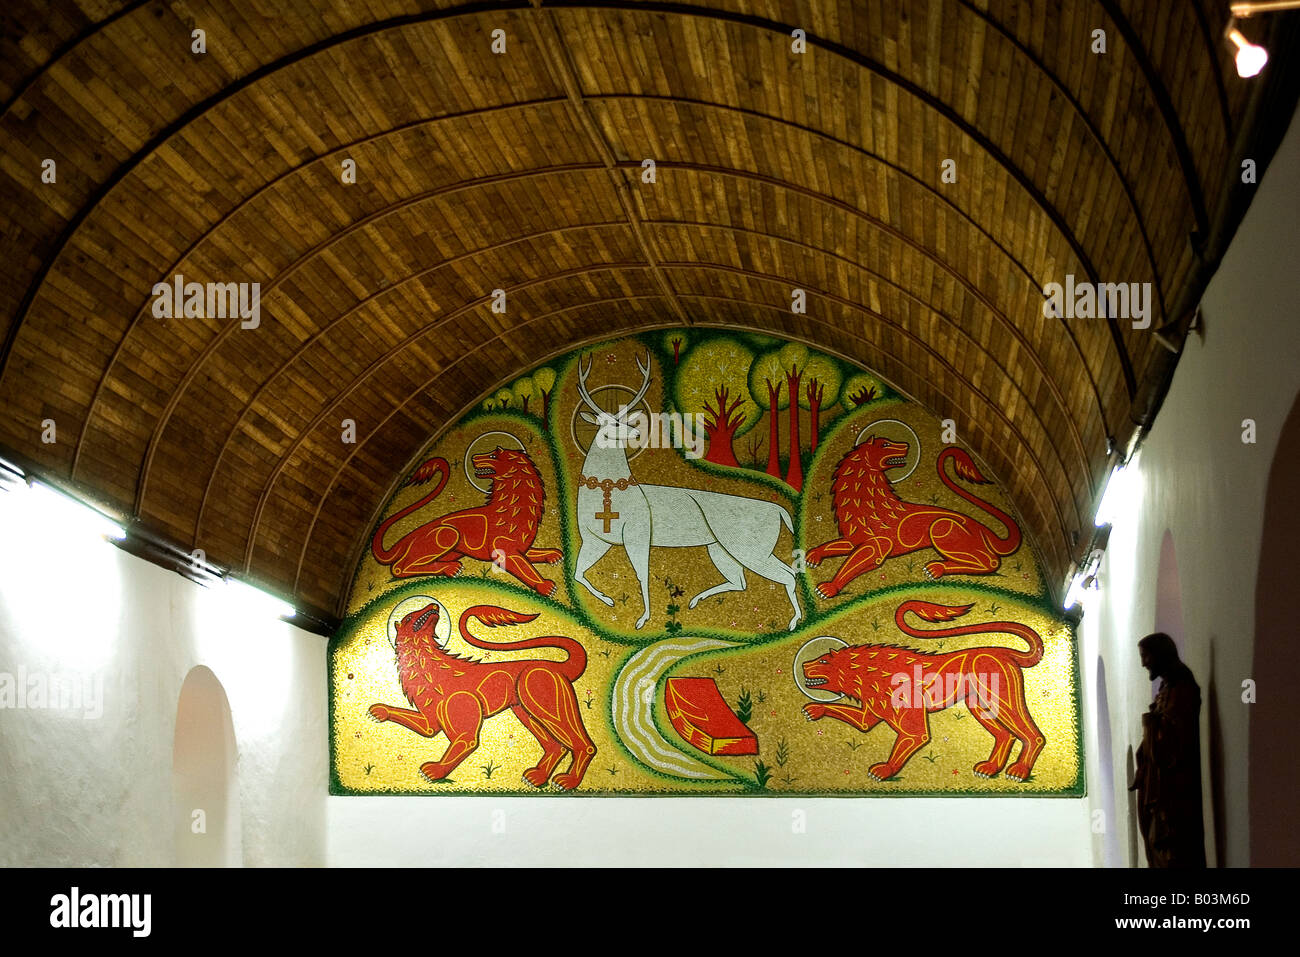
521, 171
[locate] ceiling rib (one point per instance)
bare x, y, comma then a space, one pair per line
1093, 132
562, 67
71, 44
1164, 102
1211, 51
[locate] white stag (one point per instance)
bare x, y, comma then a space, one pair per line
615, 509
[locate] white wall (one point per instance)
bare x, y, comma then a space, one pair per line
686, 832
1199, 481
81, 788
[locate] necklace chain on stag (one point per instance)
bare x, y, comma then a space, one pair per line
606, 486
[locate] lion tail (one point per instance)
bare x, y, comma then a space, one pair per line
493, 616
434, 466
929, 611
966, 469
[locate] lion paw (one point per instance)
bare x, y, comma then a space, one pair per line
827, 590
567, 781
433, 770
1019, 772
934, 570
812, 712
536, 777
881, 772
379, 712
988, 769
545, 587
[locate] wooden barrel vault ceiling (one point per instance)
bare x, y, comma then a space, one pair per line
521, 170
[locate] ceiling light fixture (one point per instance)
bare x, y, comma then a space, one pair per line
1250, 56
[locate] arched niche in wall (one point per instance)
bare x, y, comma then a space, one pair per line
205, 777
1274, 774
685, 556
1106, 771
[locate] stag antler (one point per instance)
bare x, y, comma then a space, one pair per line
591, 403
582, 387
645, 383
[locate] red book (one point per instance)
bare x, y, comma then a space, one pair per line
697, 711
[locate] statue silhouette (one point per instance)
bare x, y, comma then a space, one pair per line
1168, 774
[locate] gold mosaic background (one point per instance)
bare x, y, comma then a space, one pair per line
795, 755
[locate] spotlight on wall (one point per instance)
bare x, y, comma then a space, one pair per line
1121, 487
255, 602
1086, 579
71, 516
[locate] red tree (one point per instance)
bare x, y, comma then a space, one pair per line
720, 426
814, 390
794, 471
773, 429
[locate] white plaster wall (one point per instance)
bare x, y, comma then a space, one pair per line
82, 791
1198, 480
686, 832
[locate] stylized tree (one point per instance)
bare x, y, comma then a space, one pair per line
544, 382
794, 359
523, 391
489, 403
676, 340
504, 398
822, 377
766, 378
859, 390
712, 380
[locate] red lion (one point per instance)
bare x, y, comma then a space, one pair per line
901, 687
875, 524
456, 695
500, 531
